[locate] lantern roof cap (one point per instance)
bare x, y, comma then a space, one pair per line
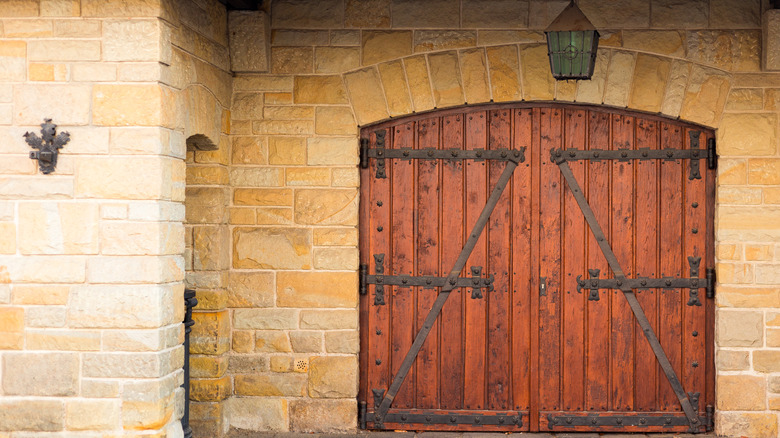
571, 18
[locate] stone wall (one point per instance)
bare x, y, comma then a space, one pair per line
342, 63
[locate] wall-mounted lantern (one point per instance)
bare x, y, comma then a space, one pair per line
572, 42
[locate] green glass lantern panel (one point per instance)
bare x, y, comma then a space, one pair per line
572, 53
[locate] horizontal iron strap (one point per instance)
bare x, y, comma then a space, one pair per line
562, 421
514, 155
426, 281
643, 283
559, 155
512, 419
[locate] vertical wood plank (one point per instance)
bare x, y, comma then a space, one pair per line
550, 262
427, 212
403, 306
573, 265
646, 253
535, 165
670, 306
598, 317
622, 245
499, 258
476, 329
452, 321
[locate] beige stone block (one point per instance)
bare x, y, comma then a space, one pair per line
268, 197
370, 14
729, 360
500, 37
130, 178
428, 14
737, 50
446, 79
419, 82
135, 269
278, 98
91, 414
430, 40
247, 106
335, 236
319, 90
292, 60
504, 73
674, 14
299, 38
141, 72
256, 177
141, 340
342, 341
740, 328
249, 36
243, 341
62, 340
764, 171
725, 14
306, 342
274, 216
500, 14
265, 319
538, 83
379, 46
289, 112
770, 56
543, 12
211, 333
202, 175
473, 67
8, 240
771, 195
766, 361
395, 87
322, 415
121, 8
126, 105
60, 8
71, 108
11, 319
211, 389
63, 50
732, 171
251, 289
32, 415
146, 415
759, 252
58, 228
336, 59
619, 75
649, 83
748, 134
28, 28
336, 258
11, 341
366, 95
276, 83
565, 90
281, 364
333, 377
316, 289
211, 248
94, 72
120, 306
286, 150
331, 151
99, 388
739, 195
773, 320
289, 14
40, 374
243, 413
21, 8
45, 317
136, 141
206, 205
70, 269
133, 40
77, 28
47, 72
326, 207
772, 337
741, 99
617, 14
272, 248
675, 92
249, 150
705, 96
768, 274
741, 393
757, 223
307, 177
272, 341
40, 295
346, 177
334, 120
271, 385
754, 425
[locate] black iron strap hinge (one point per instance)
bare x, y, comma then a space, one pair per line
563, 421
510, 419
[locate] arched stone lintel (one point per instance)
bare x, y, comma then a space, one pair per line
627, 79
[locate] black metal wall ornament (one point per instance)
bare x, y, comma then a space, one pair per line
46, 147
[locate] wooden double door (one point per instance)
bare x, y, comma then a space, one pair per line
504, 252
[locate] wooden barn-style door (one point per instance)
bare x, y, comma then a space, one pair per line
537, 267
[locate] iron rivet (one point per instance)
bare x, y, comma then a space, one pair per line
695, 333
503, 154
378, 361
501, 420
619, 283
569, 421
572, 154
379, 332
644, 154
379, 203
695, 364
404, 281
379, 228
624, 154
476, 420
428, 418
558, 153
619, 421
406, 153
668, 282
595, 155
643, 282
695, 205
642, 421
517, 153
593, 421
428, 281
695, 231
452, 419
380, 152
479, 153
453, 281
668, 420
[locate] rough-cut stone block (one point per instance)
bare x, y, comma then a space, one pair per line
542, 12
77, 28
274, 216
333, 377
242, 216
66, 340
336, 258
141, 269
766, 361
286, 150
263, 83
265, 319
292, 60
63, 50
211, 333
770, 41
249, 36
740, 328
91, 414
70, 269
271, 248
328, 319
40, 374
617, 14
764, 171
299, 38
419, 82
741, 99
211, 389
11, 319
500, 37
680, 15
504, 14
737, 50
427, 14
336, 59
754, 425
504, 73
727, 360
202, 175
127, 105
343, 341
619, 75
346, 177
430, 40
741, 393
306, 342
146, 415
365, 92
13, 64
27, 28
258, 414
307, 177
316, 289
249, 150
58, 228
675, 92
319, 90
473, 69
445, 79
21, 8
726, 14
267, 197
60, 8
271, 385
210, 248
370, 14
31, 415
396, 88
42, 295
251, 289
256, 177
243, 341
272, 341
650, 76
705, 96
334, 120
294, 14
322, 415
748, 134
326, 207
248, 364
247, 106
132, 40
206, 205
538, 82
381, 46
33, 102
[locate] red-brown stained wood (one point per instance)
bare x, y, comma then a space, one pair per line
514, 349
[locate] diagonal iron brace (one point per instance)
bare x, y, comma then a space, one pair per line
449, 284
628, 292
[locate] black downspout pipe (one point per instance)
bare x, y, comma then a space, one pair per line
189, 302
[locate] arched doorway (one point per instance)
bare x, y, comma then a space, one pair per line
564, 233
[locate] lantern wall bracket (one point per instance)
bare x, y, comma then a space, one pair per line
46, 147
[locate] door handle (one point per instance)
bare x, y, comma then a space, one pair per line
542, 286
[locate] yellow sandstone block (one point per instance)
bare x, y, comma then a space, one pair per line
445, 78
127, 105
504, 73
419, 83
319, 89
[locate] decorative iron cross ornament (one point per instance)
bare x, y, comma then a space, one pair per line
47, 147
